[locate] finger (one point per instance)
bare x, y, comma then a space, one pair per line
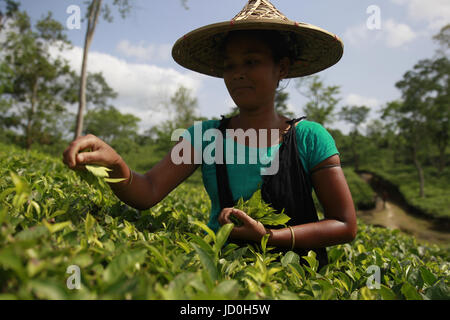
241, 215
78, 145
224, 216
95, 157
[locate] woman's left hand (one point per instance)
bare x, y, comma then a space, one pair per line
250, 230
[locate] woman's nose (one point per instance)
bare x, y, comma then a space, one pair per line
238, 74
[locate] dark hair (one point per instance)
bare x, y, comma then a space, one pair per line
280, 43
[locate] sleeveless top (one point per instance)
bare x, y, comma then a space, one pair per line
289, 188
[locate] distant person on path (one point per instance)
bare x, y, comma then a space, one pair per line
252, 53
385, 197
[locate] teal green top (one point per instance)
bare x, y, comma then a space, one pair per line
314, 143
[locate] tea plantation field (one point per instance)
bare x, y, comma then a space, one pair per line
55, 226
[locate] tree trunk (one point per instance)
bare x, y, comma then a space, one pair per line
442, 146
419, 171
92, 23
33, 99
355, 153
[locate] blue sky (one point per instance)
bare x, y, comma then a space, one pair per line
134, 53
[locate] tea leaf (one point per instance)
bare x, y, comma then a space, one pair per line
98, 171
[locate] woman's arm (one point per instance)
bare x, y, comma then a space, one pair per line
339, 225
139, 191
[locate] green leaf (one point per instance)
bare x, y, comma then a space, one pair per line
98, 171
48, 290
387, 293
260, 211
10, 260
410, 292
32, 233
89, 224
222, 236
290, 257
123, 262
206, 229
201, 242
367, 294
427, 276
297, 269
111, 180
227, 289
264, 241
312, 261
275, 219
439, 291
56, 226
207, 261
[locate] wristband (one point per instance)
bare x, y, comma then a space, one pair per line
130, 178
292, 238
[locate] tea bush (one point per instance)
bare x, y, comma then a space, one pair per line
52, 223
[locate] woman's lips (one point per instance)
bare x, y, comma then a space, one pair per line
237, 89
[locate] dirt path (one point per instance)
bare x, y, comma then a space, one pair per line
390, 215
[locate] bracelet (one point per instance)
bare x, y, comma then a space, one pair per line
292, 238
130, 178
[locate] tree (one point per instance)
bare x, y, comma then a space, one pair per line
11, 8
426, 92
115, 128
411, 126
34, 88
355, 115
95, 7
281, 98
322, 100
184, 107
443, 40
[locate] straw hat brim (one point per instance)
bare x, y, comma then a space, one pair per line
199, 50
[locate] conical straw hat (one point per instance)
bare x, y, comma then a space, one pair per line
316, 48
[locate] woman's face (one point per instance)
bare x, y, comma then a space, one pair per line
250, 73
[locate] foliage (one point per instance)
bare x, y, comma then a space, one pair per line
184, 107
322, 100
33, 87
51, 220
115, 128
356, 115
436, 202
259, 210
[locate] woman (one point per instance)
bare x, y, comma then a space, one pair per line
253, 53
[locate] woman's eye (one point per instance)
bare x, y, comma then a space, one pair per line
227, 66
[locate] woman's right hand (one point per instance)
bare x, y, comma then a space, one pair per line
100, 153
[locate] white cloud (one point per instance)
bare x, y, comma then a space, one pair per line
358, 35
354, 99
435, 12
392, 34
142, 88
397, 34
145, 52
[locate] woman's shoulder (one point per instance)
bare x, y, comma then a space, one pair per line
307, 130
314, 136
206, 124
306, 126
